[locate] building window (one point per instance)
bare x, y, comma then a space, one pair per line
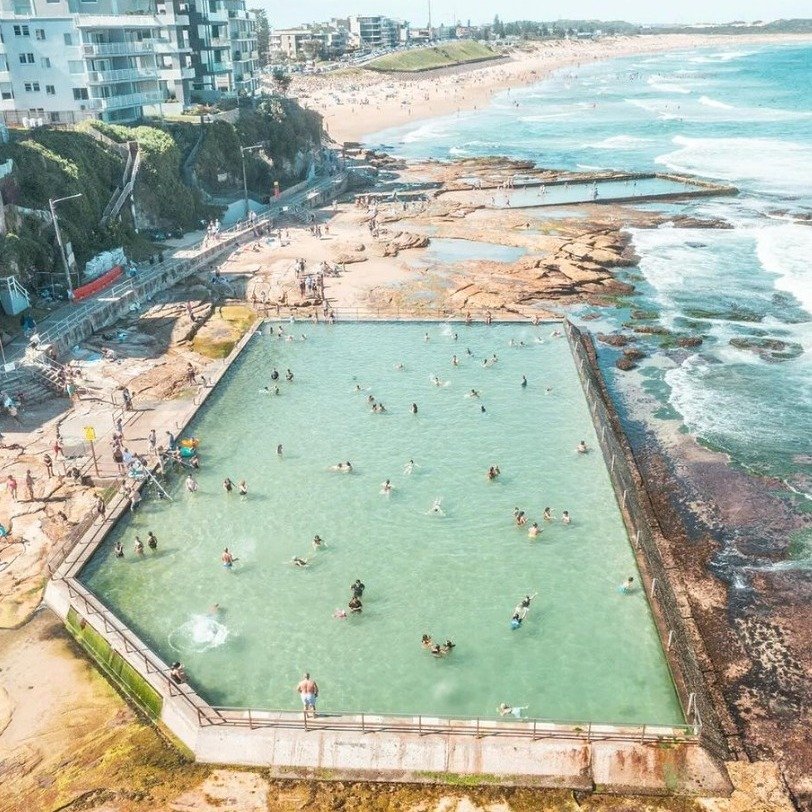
45, 62
39, 33
31, 87
80, 93
27, 59
21, 31
50, 90
6, 93
68, 39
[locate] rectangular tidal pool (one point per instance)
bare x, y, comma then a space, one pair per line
585, 652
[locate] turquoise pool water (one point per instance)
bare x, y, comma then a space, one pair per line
577, 192
585, 652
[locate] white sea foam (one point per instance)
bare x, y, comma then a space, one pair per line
724, 56
667, 87
201, 633
618, 142
708, 102
771, 165
785, 251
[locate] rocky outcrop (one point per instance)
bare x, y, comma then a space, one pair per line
403, 241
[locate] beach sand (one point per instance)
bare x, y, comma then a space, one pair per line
356, 103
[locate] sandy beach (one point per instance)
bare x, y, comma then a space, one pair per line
356, 103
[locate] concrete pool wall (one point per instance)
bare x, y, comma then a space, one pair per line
614, 758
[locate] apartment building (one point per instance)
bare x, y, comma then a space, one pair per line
309, 42
62, 61
376, 31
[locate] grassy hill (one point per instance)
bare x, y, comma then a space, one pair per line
439, 56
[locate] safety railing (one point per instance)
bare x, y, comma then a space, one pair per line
629, 491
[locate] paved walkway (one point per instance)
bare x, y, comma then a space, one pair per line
67, 315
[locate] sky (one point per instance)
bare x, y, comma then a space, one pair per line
480, 11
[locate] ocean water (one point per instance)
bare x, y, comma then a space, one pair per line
740, 116
585, 652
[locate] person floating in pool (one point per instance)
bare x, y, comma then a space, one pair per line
410, 467
436, 508
288, 376
414, 408
386, 487
627, 586
522, 608
318, 542
548, 514
455, 361
243, 487
340, 614
275, 375
279, 450
426, 641
472, 394
448, 646
139, 546
437, 650
534, 530
508, 710
227, 558
426, 337
342, 467
400, 367
355, 606
521, 519
493, 472
482, 409
297, 561
119, 550
152, 541
191, 484
566, 518
357, 588
228, 485
524, 381
515, 621
582, 448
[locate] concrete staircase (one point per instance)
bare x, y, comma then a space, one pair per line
124, 190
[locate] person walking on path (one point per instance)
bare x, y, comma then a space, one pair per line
308, 689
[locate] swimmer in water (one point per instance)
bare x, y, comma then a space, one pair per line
534, 530
437, 507
410, 467
357, 588
139, 546
243, 488
400, 367
507, 710
342, 467
426, 641
228, 485
582, 449
493, 472
119, 550
565, 517
516, 620
288, 376
437, 651
386, 487
191, 484
297, 561
482, 409
447, 646
627, 587
521, 519
436, 381
472, 394
318, 542
524, 381
454, 337
279, 450
426, 337
455, 361
355, 605
468, 351
227, 558
152, 541
414, 408
340, 614
548, 514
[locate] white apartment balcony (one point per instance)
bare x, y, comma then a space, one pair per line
167, 46
130, 100
117, 21
126, 48
215, 17
106, 77
175, 73
239, 15
218, 42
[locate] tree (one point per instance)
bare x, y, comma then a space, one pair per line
498, 28
263, 35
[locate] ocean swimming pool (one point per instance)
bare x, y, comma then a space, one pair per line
585, 652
